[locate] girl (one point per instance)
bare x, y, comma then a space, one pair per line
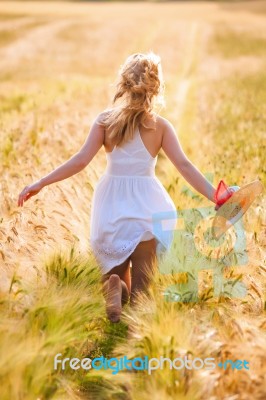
129, 195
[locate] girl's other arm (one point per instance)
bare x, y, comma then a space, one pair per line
71, 167
81, 159
174, 151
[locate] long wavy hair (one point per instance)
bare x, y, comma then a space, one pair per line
140, 90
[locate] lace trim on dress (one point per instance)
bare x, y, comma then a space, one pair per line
115, 254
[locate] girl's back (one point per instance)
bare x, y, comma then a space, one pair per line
151, 135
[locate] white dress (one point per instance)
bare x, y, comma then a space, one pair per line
129, 205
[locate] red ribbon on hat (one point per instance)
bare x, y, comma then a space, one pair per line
222, 193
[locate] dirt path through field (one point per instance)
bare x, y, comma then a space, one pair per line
28, 45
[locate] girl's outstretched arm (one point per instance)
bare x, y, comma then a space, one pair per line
81, 159
71, 167
174, 151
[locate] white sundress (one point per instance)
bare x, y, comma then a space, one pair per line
129, 205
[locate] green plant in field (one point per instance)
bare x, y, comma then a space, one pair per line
62, 314
238, 126
7, 147
12, 103
230, 43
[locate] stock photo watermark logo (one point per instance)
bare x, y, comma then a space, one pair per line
145, 363
187, 234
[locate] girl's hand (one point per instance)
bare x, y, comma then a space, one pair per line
29, 191
224, 194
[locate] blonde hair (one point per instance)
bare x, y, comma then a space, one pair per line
140, 89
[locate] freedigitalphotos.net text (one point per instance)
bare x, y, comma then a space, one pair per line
145, 363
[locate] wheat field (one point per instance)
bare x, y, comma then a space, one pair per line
58, 66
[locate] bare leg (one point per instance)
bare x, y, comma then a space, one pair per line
144, 262
116, 289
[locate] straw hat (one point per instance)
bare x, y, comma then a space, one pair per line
235, 207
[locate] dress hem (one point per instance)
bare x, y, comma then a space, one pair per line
105, 269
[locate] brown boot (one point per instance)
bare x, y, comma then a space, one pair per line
113, 298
